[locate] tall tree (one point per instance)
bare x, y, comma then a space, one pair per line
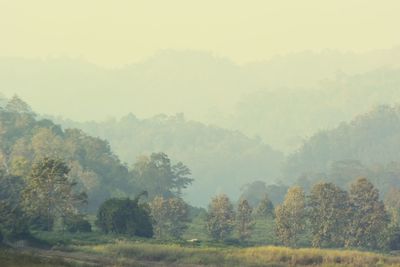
49, 193
156, 175
220, 218
12, 218
159, 211
369, 218
328, 213
170, 216
290, 216
265, 208
244, 219
392, 204
178, 216
17, 105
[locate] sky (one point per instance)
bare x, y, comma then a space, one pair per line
113, 33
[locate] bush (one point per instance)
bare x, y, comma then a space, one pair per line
41, 223
393, 240
125, 216
78, 224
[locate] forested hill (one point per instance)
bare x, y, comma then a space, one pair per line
221, 160
24, 139
282, 100
369, 146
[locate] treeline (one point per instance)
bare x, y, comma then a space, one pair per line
328, 217
220, 159
25, 140
366, 146
49, 199
51, 178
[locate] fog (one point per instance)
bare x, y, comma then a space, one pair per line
257, 79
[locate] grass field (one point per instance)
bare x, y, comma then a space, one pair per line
96, 249
86, 250
233, 256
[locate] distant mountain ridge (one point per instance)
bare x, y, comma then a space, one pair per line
283, 100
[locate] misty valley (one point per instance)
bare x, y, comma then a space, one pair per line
199, 133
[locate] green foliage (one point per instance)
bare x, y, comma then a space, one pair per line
178, 213
265, 208
13, 221
170, 216
211, 152
392, 204
17, 105
369, 218
24, 140
220, 220
158, 177
49, 193
244, 220
125, 216
290, 217
369, 140
78, 223
328, 214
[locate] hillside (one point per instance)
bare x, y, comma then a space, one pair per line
282, 100
366, 146
221, 160
285, 117
24, 139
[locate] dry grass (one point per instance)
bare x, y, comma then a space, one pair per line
259, 256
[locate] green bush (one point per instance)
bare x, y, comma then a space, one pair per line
125, 216
78, 224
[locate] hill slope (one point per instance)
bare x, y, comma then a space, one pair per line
220, 160
369, 145
25, 139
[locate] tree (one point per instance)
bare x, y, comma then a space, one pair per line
170, 216
265, 208
125, 216
244, 220
178, 215
13, 221
159, 211
369, 218
181, 178
392, 204
220, 220
17, 105
290, 216
156, 175
254, 192
328, 213
49, 193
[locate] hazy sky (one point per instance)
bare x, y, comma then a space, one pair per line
117, 32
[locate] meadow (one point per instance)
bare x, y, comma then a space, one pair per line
120, 253
95, 249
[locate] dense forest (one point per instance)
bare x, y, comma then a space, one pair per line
339, 190
283, 100
220, 160
25, 140
367, 146
199, 133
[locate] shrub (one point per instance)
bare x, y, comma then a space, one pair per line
78, 224
125, 216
